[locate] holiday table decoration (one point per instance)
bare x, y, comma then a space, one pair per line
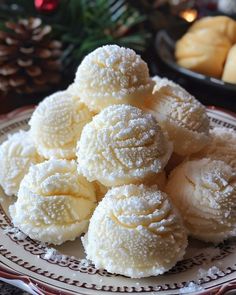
83, 25
46, 5
29, 58
33, 66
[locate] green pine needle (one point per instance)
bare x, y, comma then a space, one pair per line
83, 25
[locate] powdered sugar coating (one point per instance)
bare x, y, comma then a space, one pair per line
56, 125
122, 145
54, 203
72, 90
135, 231
17, 154
112, 75
190, 287
181, 115
205, 193
211, 272
222, 146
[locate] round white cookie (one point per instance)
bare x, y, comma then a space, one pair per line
204, 191
136, 232
17, 154
122, 145
56, 125
112, 75
54, 203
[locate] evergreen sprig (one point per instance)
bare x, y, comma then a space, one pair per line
83, 25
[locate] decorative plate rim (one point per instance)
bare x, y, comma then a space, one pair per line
222, 110
15, 113
40, 287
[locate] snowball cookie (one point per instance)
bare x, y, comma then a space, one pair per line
135, 231
205, 193
17, 154
181, 115
203, 51
221, 147
112, 75
56, 125
54, 203
122, 145
221, 24
229, 73
72, 90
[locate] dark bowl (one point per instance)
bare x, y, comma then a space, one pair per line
218, 93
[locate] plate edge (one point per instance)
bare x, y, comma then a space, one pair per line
39, 287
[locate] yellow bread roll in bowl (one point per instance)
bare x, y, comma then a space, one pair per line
229, 73
180, 115
135, 231
221, 147
203, 51
122, 145
56, 125
54, 203
222, 24
17, 154
112, 75
204, 191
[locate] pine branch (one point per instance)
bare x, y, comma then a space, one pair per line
83, 25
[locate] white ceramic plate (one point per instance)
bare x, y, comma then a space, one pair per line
24, 264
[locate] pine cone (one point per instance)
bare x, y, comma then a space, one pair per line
29, 59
